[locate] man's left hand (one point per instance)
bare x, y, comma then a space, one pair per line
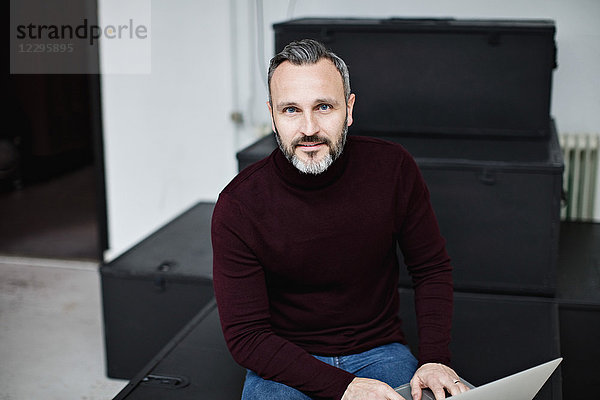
436, 377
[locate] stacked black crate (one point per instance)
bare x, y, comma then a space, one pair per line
470, 99
152, 291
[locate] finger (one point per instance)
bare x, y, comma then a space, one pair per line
454, 389
438, 392
415, 391
453, 384
463, 388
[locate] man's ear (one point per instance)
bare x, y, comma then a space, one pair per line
350, 108
270, 107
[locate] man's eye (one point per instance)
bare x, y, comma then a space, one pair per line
289, 110
324, 107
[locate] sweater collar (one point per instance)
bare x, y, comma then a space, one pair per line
292, 176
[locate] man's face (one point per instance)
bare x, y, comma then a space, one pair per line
309, 113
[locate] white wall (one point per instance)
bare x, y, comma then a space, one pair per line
169, 141
167, 135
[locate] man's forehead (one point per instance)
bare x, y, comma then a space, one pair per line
322, 78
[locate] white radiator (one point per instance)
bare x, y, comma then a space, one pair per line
580, 177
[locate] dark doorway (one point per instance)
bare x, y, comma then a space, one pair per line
51, 182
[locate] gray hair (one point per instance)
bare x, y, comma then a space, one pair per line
308, 51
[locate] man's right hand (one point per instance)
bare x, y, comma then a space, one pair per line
370, 389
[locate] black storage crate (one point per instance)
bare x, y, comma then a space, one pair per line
497, 202
194, 365
150, 292
497, 335
441, 76
579, 307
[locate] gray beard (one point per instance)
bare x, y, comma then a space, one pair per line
312, 167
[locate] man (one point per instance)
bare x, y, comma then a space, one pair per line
304, 242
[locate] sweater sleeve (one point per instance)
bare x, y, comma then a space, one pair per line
242, 299
425, 255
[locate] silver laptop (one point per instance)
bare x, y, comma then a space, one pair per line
520, 386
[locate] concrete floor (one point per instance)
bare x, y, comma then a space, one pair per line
51, 338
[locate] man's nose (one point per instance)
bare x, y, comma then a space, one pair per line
310, 125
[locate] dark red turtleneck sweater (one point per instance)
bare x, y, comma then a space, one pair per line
307, 264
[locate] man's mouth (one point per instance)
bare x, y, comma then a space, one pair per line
311, 142
309, 145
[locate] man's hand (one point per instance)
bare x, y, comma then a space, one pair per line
370, 389
436, 377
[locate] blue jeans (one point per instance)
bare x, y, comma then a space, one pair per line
392, 363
